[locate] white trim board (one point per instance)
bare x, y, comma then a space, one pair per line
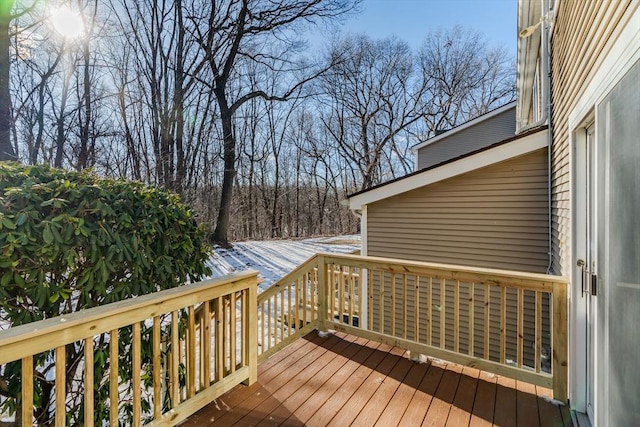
515, 148
463, 126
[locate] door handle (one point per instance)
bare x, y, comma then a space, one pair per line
581, 264
590, 282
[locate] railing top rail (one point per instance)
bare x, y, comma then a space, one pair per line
32, 338
449, 270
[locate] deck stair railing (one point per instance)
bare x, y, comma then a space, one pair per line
203, 339
506, 322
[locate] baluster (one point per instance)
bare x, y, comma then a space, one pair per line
472, 315
27, 391
429, 311
191, 352
370, 296
88, 381
382, 288
404, 306
487, 323
416, 311
443, 309
351, 283
219, 349
520, 328
341, 301
136, 382
233, 333
113, 378
281, 309
392, 310
456, 317
262, 322
308, 278
305, 301
503, 324
290, 318
175, 361
538, 332
157, 369
60, 387
270, 315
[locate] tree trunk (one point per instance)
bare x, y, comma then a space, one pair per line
6, 149
220, 235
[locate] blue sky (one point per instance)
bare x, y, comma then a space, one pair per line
410, 20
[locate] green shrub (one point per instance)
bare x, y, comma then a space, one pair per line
73, 240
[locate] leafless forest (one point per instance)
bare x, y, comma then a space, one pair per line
240, 106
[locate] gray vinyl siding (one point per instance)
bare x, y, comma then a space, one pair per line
487, 132
495, 217
582, 30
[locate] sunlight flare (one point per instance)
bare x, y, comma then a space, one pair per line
67, 22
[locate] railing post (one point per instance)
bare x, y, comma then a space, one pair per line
251, 334
560, 338
322, 293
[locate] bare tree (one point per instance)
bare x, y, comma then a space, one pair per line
239, 30
372, 96
464, 77
7, 15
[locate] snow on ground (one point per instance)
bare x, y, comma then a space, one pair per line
275, 258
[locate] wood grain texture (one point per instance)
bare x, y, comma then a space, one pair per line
344, 380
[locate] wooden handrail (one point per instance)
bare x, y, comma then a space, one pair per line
25, 341
483, 316
473, 316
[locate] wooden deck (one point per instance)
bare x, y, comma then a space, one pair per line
342, 380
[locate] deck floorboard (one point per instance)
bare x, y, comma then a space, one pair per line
342, 380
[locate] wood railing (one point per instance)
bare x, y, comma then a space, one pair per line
209, 336
509, 323
288, 309
202, 339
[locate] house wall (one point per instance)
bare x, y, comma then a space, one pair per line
596, 52
494, 217
581, 31
487, 132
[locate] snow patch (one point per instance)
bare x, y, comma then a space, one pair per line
325, 334
418, 358
275, 258
553, 401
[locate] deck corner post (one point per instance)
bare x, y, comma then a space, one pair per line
560, 339
252, 330
322, 294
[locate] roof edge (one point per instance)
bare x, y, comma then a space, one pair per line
495, 153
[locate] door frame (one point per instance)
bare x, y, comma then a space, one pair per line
578, 315
584, 337
622, 52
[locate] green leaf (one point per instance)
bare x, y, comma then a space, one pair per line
7, 223
21, 219
47, 235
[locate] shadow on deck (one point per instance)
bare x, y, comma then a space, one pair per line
343, 380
